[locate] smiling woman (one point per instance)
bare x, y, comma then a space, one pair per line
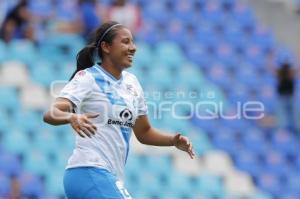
104, 103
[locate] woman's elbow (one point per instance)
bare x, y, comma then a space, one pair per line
141, 140
47, 118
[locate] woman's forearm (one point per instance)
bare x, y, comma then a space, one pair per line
55, 116
156, 137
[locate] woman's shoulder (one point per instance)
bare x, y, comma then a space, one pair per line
129, 75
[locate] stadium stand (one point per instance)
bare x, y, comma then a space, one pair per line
206, 46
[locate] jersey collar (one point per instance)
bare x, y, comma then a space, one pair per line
98, 66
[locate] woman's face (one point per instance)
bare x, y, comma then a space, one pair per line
122, 49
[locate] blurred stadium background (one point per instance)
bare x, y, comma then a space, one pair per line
221, 47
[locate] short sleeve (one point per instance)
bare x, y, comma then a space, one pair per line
78, 88
142, 104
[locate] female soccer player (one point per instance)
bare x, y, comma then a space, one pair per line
102, 103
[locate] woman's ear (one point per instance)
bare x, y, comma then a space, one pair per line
105, 47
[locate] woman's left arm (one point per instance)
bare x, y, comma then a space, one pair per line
151, 136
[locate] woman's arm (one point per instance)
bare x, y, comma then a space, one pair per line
151, 136
60, 113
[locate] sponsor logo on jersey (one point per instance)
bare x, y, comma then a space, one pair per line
126, 117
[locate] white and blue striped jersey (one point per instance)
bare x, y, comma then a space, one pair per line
119, 103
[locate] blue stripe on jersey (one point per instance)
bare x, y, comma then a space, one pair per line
104, 86
126, 132
116, 100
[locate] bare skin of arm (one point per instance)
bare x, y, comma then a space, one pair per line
151, 136
60, 113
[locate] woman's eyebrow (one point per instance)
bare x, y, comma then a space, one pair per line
127, 38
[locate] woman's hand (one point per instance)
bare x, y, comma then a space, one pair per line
82, 125
183, 143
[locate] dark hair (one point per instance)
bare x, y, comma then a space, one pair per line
86, 56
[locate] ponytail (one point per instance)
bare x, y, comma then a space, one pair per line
84, 59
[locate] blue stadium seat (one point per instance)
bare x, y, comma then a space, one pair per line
264, 38
219, 75
4, 120
159, 164
42, 9
22, 50
184, 11
275, 162
232, 33
43, 136
37, 162
225, 53
162, 77
135, 163
156, 11
247, 74
143, 56
152, 32
225, 141
206, 35
269, 183
60, 157
190, 78
261, 195
248, 161
211, 186
31, 123
283, 141
3, 51
31, 186
254, 54
237, 123
48, 49
292, 183
54, 181
9, 164
198, 54
43, 72
244, 16
212, 12
267, 95
254, 135
178, 183
5, 188
9, 98
201, 143
176, 32
238, 93
169, 54
61, 47
288, 195
16, 136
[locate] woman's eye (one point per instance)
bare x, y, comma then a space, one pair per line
126, 41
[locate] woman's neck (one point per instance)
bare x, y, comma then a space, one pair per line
113, 70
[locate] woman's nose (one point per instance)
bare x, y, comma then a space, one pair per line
132, 48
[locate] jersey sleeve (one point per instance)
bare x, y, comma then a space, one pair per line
78, 88
142, 105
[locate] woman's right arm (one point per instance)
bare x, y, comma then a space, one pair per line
60, 113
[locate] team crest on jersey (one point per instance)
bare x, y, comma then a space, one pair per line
131, 90
81, 73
